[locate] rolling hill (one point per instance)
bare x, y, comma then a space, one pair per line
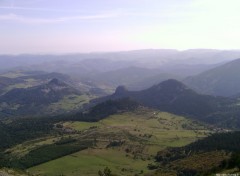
43, 94
24, 79
222, 81
26, 101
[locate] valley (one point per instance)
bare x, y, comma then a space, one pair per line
130, 117
119, 88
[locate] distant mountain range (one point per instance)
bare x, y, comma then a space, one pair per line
103, 72
183, 63
135, 78
150, 57
223, 80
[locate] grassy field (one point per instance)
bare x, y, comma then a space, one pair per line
26, 83
69, 103
17, 86
14, 74
88, 162
81, 126
125, 142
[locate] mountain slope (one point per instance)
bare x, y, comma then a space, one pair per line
173, 96
222, 81
145, 83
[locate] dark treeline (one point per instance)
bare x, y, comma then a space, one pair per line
222, 142
229, 142
45, 153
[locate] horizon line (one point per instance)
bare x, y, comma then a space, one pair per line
116, 51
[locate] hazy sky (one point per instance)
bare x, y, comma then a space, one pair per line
59, 26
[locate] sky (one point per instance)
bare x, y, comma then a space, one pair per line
76, 26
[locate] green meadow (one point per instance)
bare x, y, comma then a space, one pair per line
125, 142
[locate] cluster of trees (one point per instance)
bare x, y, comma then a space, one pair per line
220, 141
20, 130
47, 153
234, 161
105, 172
228, 142
109, 107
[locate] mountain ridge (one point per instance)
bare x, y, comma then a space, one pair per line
221, 81
175, 97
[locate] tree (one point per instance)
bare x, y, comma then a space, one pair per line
235, 160
106, 172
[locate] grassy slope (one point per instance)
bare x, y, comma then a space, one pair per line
28, 83
88, 162
143, 133
69, 103
22, 149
